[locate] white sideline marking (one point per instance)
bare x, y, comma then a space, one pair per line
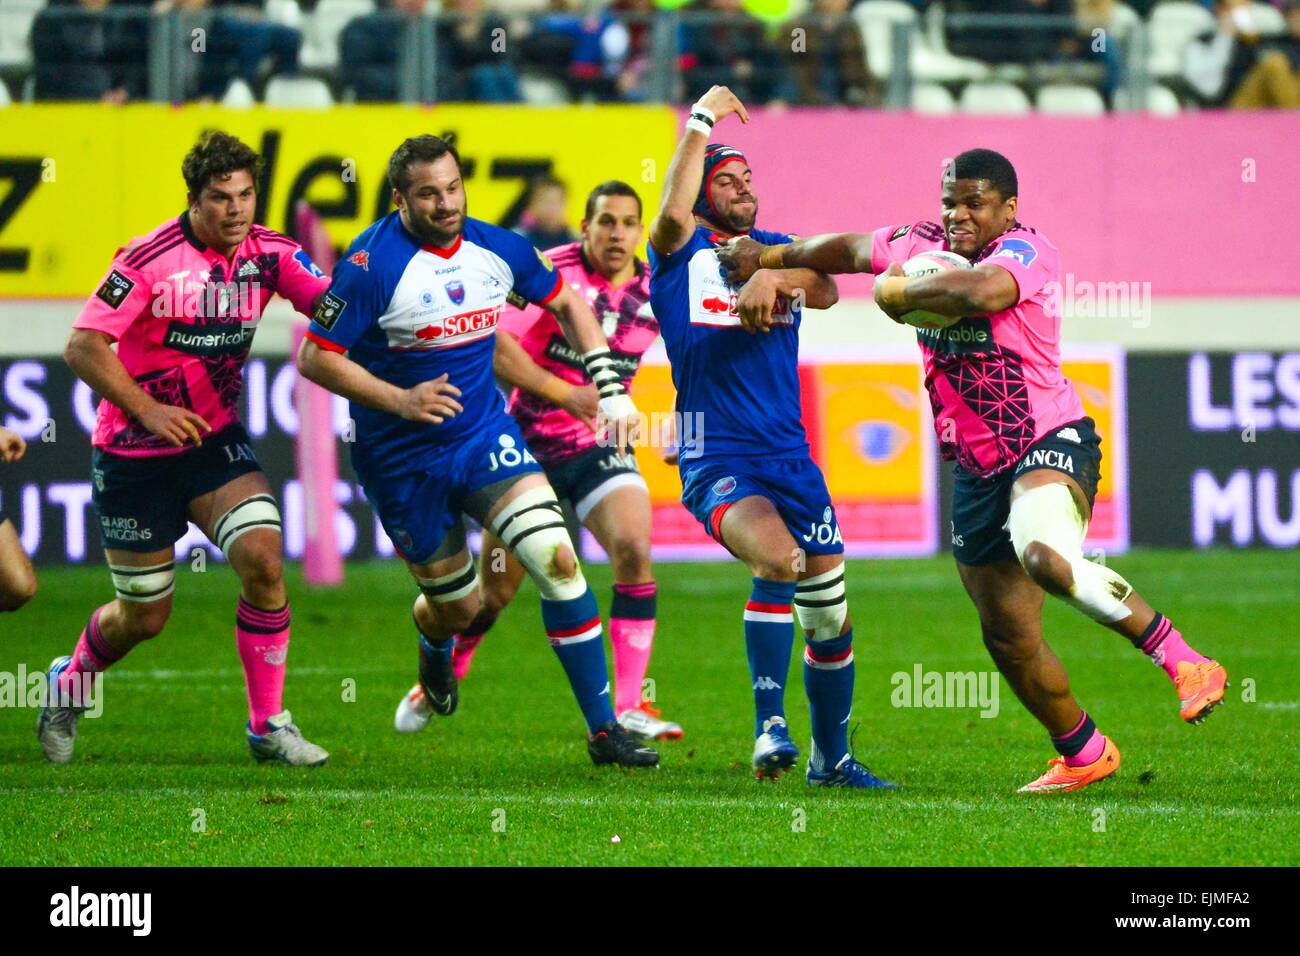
898, 802
1280, 705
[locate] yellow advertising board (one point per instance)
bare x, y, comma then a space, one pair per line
78, 181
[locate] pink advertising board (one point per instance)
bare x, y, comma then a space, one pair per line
1190, 204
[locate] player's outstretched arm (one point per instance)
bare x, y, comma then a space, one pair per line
515, 367
832, 254
431, 402
89, 355
673, 226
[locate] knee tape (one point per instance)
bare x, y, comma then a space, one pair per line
821, 605
1047, 514
142, 585
450, 587
259, 511
532, 527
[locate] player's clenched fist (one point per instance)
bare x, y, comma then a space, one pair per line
12, 445
175, 425
432, 402
721, 102
757, 302
583, 403
739, 257
618, 423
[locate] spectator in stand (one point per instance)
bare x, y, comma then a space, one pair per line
237, 41
368, 50
592, 45
1005, 45
469, 68
545, 222
1274, 81
731, 50
827, 61
83, 53
472, 64
1232, 66
638, 16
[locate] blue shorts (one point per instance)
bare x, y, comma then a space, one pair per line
421, 510
795, 487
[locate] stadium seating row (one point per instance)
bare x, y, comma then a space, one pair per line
989, 88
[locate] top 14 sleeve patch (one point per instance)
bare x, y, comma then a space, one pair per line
115, 289
328, 310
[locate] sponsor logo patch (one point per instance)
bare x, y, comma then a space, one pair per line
115, 289
328, 310
304, 260
900, 232
724, 486
1021, 250
550, 266
465, 325
360, 258
970, 335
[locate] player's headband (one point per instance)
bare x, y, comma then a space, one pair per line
715, 155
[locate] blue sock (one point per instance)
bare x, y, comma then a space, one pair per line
828, 679
432, 651
769, 635
574, 631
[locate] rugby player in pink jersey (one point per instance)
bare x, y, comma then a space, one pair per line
182, 305
17, 579
1028, 460
554, 402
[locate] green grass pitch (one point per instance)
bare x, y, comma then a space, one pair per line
506, 780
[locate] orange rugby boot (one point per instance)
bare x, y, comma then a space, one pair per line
1061, 778
1200, 689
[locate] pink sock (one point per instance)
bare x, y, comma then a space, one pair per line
263, 641
1093, 743
632, 634
1091, 751
92, 655
1166, 647
462, 653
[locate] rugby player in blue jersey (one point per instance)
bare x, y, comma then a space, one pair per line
747, 472
412, 309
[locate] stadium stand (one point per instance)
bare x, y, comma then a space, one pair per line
640, 50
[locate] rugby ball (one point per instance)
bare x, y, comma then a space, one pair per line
928, 264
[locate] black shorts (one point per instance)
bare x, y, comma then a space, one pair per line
981, 506
143, 503
587, 477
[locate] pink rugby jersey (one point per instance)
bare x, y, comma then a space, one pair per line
184, 317
997, 378
624, 313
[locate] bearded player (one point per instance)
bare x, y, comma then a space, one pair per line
406, 333
17, 579
747, 473
554, 403
182, 305
1028, 460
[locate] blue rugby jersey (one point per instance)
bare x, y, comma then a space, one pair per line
740, 390
408, 312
